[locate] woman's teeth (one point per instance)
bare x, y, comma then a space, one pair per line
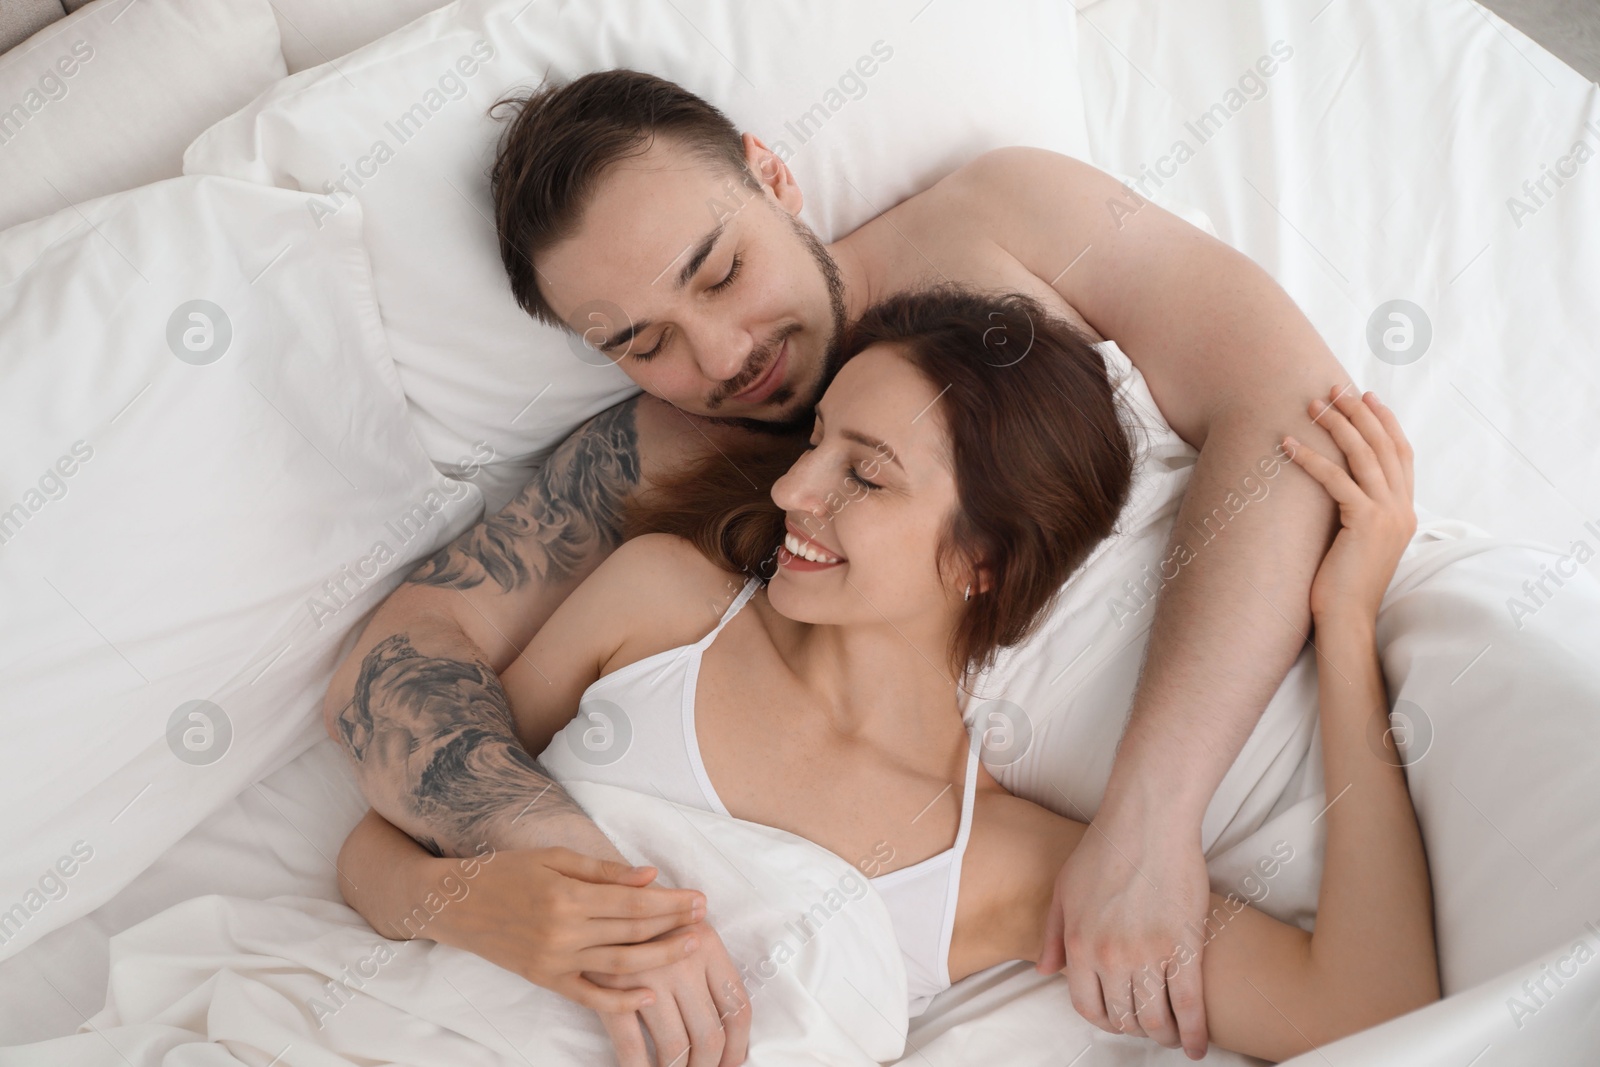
804, 550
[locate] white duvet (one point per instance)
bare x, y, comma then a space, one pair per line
300, 981
1377, 165
1495, 715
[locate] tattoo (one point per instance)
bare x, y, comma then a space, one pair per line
569, 510
444, 728
439, 731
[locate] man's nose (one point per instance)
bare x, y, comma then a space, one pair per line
722, 351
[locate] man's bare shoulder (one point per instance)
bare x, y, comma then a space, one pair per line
1008, 183
1000, 184
968, 228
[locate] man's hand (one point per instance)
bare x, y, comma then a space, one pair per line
701, 1013
1121, 927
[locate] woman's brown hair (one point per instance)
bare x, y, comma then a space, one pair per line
1041, 460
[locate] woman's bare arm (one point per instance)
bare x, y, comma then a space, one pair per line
1277, 991
1372, 954
1274, 990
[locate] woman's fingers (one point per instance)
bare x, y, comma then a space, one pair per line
598, 933
1402, 447
606, 1001
1332, 477
614, 958
700, 1019
1120, 1007
1357, 407
627, 1038
685, 906
1188, 1009
1362, 460
1083, 986
1053, 953
732, 1001
1155, 1015
666, 1028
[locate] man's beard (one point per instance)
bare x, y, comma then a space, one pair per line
833, 348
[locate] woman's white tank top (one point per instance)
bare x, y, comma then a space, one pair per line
635, 728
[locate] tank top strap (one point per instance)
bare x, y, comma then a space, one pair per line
969, 792
749, 590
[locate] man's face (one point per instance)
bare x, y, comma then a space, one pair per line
710, 294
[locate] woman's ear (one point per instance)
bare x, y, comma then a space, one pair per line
773, 173
983, 579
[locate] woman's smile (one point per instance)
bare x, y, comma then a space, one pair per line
800, 553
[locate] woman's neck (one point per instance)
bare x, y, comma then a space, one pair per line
872, 679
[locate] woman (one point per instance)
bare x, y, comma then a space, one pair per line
964, 462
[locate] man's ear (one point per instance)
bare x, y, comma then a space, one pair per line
773, 173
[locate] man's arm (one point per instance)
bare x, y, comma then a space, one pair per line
418, 703
1231, 362
419, 706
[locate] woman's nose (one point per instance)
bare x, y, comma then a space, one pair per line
802, 487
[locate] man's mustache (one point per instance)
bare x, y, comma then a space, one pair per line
756, 365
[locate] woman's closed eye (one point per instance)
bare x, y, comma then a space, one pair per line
855, 477
850, 472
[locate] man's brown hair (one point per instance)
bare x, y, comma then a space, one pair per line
561, 139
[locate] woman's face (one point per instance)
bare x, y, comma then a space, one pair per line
870, 498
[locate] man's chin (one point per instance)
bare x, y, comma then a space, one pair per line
778, 417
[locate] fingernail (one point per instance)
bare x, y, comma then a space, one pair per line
689, 946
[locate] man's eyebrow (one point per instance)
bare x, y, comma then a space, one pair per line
625, 336
698, 257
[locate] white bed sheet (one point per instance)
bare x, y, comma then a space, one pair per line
1377, 166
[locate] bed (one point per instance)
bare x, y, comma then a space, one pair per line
1411, 174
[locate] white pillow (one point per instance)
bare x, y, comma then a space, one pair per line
947, 81
316, 31
106, 98
203, 445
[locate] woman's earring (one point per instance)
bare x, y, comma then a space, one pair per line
969, 592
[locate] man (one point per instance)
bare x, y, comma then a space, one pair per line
632, 213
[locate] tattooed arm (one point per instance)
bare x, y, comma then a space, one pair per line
419, 707
417, 703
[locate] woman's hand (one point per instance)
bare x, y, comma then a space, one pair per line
594, 930
1375, 512
551, 914
701, 1013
